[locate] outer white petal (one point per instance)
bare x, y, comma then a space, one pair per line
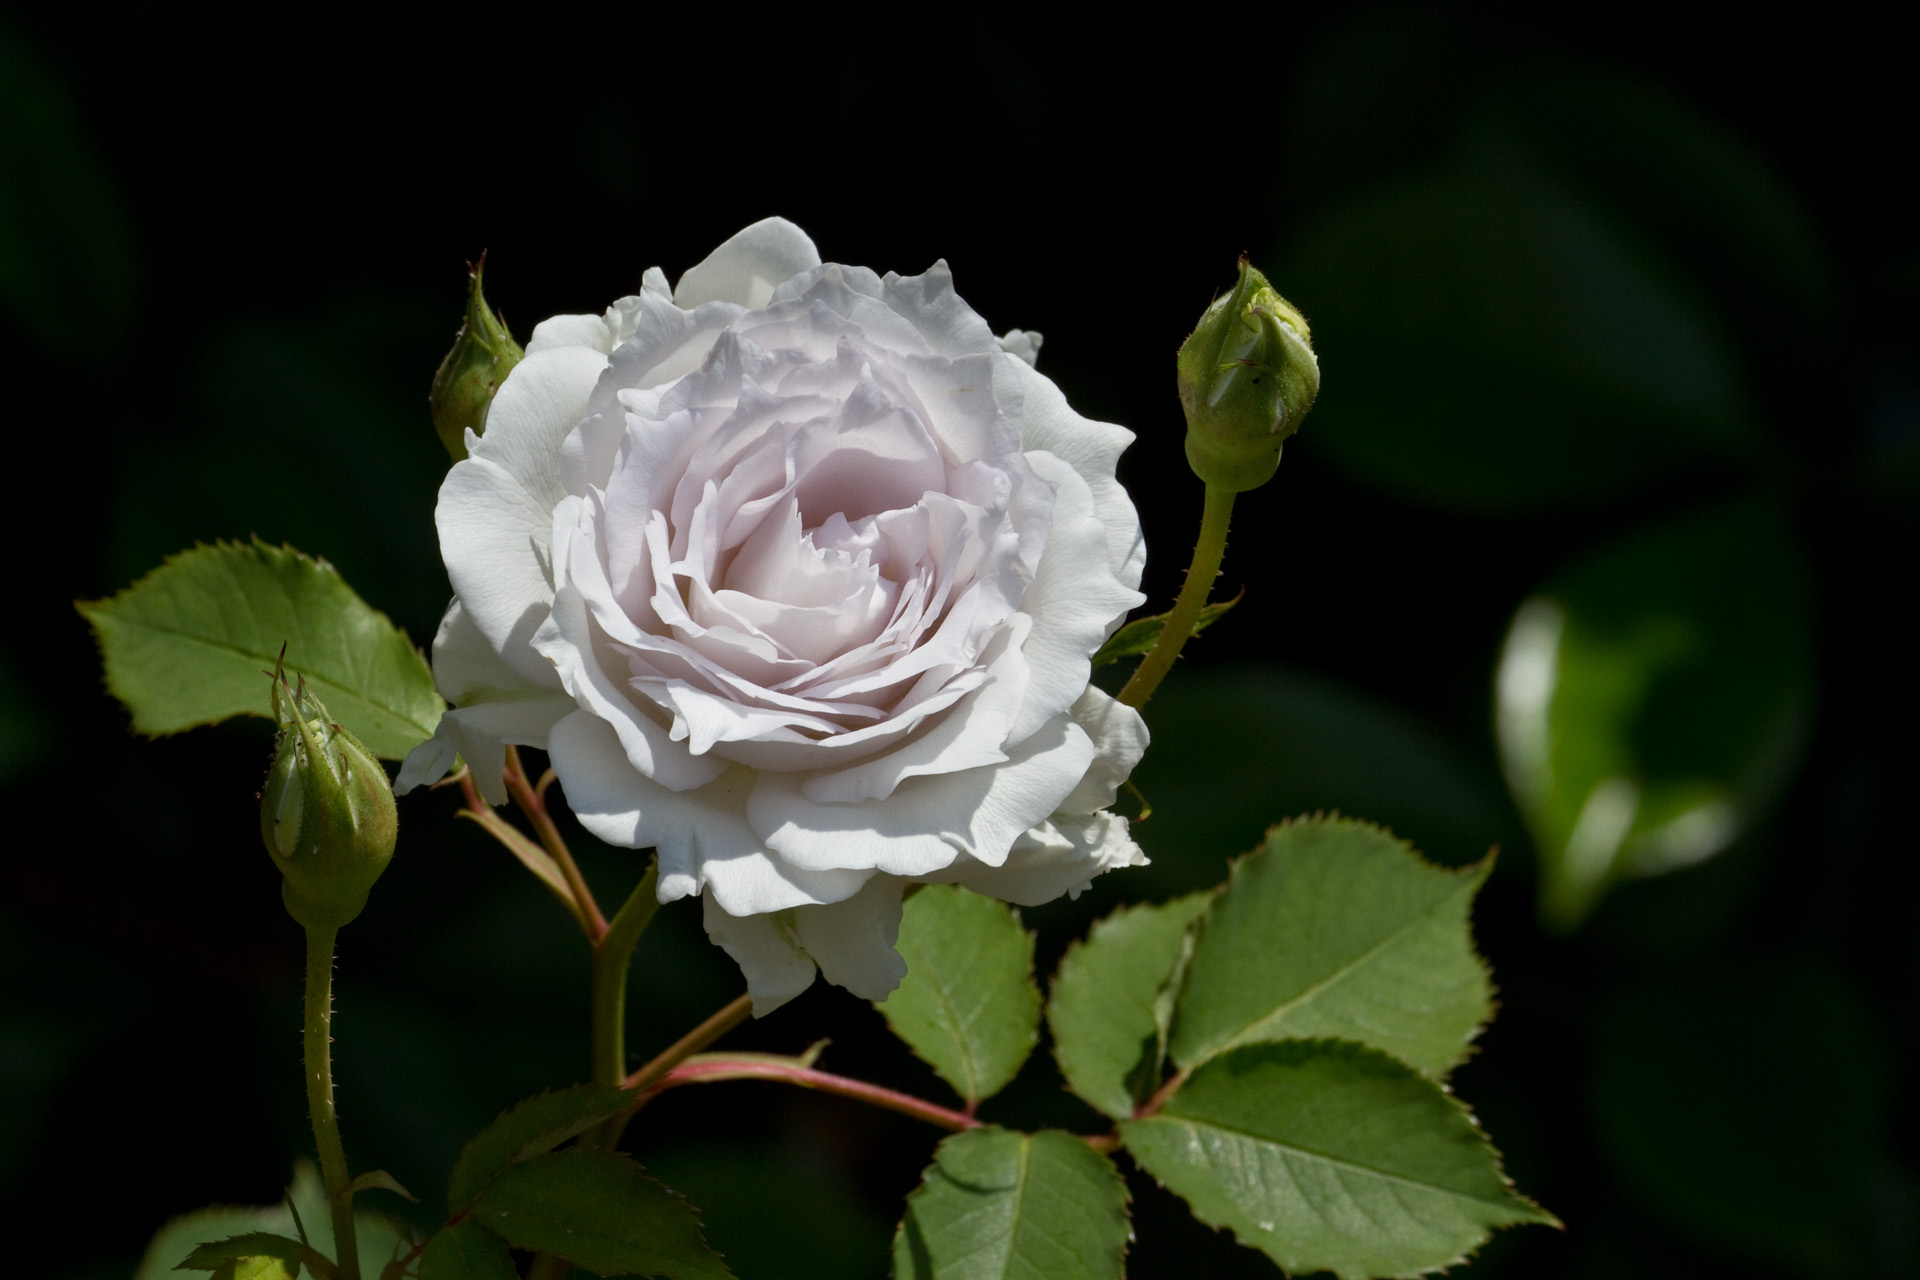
571, 331
702, 836
853, 941
1057, 857
1023, 344
480, 733
502, 707
1119, 741
466, 666
495, 513
749, 266
1091, 448
777, 970
1074, 598
928, 821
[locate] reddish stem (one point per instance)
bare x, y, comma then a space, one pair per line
534, 806
711, 1070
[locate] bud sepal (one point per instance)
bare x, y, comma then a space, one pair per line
1247, 377
326, 813
483, 354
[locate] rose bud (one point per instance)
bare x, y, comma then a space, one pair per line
483, 354
1247, 377
327, 812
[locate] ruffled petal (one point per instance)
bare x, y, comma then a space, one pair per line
749, 266
927, 821
1061, 856
702, 836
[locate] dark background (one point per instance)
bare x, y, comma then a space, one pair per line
1573, 276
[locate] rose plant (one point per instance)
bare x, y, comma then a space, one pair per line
797, 574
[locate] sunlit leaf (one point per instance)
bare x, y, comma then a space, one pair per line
999, 1205
1335, 928
968, 1004
187, 644
467, 1251
530, 1128
1108, 1008
379, 1237
252, 1245
600, 1211
1329, 1156
1652, 697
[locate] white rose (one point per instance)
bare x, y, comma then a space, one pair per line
795, 571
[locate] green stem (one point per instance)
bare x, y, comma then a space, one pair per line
326, 1125
611, 956
1204, 568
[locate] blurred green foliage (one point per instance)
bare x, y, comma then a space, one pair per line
1579, 283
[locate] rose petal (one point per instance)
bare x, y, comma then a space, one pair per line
749, 266
1092, 449
921, 825
776, 969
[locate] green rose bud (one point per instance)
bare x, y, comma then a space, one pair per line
483, 354
1247, 378
327, 812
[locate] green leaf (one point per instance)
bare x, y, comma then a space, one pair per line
1140, 635
968, 1004
599, 1211
1652, 698
466, 1251
1329, 1156
528, 1129
1110, 1008
1335, 928
254, 1244
187, 644
999, 1205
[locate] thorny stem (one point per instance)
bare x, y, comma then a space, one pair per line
326, 1125
713, 1068
1201, 571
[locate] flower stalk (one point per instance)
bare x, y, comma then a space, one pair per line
326, 1124
1208, 552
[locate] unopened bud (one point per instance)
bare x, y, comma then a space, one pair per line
483, 354
327, 812
1247, 377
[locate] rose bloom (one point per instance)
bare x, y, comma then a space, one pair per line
795, 571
